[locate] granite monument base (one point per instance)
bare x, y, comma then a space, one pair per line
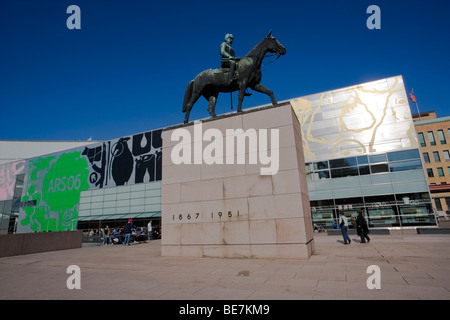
223, 199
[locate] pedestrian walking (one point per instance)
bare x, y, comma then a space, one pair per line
361, 227
343, 224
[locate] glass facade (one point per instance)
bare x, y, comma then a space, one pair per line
11, 186
388, 210
112, 207
395, 210
362, 153
364, 165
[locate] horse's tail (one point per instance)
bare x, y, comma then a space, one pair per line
188, 94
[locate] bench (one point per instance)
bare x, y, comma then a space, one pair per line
433, 230
92, 239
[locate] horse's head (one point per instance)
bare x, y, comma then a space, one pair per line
273, 45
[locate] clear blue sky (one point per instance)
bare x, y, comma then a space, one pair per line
126, 70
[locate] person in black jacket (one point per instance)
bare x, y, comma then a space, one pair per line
127, 231
361, 227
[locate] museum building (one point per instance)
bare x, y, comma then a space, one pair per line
360, 149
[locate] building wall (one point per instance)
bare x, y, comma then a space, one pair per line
14, 150
434, 138
55, 183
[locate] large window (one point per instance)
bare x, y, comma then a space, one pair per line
317, 170
436, 156
437, 203
431, 138
430, 173
426, 157
344, 172
446, 155
366, 164
422, 139
440, 172
403, 155
405, 165
441, 136
392, 210
344, 162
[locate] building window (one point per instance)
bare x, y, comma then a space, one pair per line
377, 158
405, 165
437, 203
422, 139
441, 136
344, 172
402, 155
379, 168
345, 162
446, 155
440, 172
448, 170
430, 173
436, 156
431, 138
426, 157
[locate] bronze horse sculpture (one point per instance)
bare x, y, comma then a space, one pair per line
248, 74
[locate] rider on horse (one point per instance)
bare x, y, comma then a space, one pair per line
228, 58
227, 53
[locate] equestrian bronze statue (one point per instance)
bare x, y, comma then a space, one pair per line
245, 73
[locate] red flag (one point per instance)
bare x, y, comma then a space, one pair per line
412, 97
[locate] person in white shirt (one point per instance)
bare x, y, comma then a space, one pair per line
343, 224
149, 230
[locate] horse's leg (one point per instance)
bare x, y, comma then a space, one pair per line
212, 99
212, 104
260, 88
242, 87
188, 110
190, 104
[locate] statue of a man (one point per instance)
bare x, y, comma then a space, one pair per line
227, 53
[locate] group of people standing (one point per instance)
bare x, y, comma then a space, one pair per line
361, 227
124, 233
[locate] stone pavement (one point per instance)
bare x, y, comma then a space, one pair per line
412, 267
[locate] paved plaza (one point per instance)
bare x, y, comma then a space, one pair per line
412, 267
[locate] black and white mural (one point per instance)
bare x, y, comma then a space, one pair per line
126, 160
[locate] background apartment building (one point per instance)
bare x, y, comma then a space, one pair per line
434, 140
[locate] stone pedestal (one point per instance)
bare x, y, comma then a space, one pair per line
220, 206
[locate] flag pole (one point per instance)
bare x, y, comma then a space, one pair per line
417, 106
413, 98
